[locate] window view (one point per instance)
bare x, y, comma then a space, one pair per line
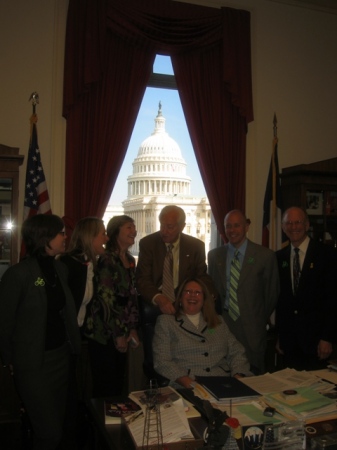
160, 167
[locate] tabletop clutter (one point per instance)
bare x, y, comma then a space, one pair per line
271, 411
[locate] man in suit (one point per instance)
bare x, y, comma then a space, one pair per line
307, 310
188, 259
257, 287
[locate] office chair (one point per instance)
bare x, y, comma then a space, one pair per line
148, 315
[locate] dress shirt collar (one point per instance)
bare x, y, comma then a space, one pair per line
242, 249
175, 244
303, 247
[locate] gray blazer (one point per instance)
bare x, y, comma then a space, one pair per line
258, 292
23, 315
179, 349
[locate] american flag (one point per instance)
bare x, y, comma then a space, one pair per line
36, 192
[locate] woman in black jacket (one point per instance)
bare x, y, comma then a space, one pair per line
38, 329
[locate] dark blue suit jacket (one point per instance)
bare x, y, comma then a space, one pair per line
304, 320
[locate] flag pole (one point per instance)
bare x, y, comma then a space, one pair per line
272, 236
275, 126
34, 98
36, 193
273, 224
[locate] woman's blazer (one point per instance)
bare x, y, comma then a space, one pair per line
23, 315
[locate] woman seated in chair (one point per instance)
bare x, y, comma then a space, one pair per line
196, 341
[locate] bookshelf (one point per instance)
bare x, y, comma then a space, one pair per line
314, 187
10, 160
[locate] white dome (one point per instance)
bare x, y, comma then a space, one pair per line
160, 144
159, 167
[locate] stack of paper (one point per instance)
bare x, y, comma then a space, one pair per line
174, 422
167, 396
326, 375
287, 379
303, 403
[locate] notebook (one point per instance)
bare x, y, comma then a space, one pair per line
224, 388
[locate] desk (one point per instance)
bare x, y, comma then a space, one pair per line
320, 428
116, 437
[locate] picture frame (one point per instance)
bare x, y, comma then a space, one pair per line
314, 203
332, 202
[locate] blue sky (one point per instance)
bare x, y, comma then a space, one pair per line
175, 126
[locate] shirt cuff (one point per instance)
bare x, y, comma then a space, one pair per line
154, 299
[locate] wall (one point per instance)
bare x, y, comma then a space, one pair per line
294, 75
32, 38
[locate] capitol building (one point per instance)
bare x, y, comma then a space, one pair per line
159, 178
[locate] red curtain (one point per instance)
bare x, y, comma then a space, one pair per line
110, 49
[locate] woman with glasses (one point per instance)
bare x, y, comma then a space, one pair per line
196, 341
38, 328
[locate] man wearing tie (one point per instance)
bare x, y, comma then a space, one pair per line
167, 257
306, 312
246, 278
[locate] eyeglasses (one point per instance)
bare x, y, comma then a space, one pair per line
190, 292
293, 222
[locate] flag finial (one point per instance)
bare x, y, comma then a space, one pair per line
34, 98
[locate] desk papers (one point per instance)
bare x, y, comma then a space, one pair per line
304, 403
173, 414
167, 395
311, 400
174, 424
326, 375
274, 383
286, 379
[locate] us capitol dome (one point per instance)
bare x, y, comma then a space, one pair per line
159, 168
159, 179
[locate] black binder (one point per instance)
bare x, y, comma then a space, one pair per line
223, 388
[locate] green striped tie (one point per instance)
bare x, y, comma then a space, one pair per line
233, 309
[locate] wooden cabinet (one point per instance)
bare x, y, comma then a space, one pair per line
314, 187
10, 160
